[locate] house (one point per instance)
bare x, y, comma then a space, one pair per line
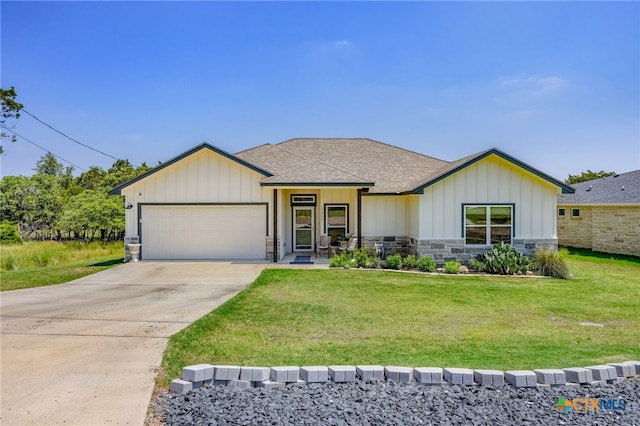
603, 215
279, 198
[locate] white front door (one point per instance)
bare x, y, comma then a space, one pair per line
303, 232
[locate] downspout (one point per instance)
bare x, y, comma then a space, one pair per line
359, 217
275, 225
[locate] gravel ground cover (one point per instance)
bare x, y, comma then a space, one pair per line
387, 403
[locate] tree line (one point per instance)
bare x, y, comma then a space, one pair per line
54, 205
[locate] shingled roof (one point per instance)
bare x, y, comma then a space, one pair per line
357, 162
361, 161
386, 169
617, 189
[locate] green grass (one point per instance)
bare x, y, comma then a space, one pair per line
323, 317
36, 264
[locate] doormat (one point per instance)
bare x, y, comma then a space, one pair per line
302, 260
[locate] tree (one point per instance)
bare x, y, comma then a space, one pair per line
10, 109
91, 212
34, 203
586, 176
48, 165
121, 171
93, 179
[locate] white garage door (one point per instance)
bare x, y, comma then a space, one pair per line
204, 232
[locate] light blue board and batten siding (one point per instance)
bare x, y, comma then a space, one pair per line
488, 181
203, 177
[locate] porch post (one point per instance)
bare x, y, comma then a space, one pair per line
275, 225
359, 204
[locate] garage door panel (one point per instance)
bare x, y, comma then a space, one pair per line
203, 232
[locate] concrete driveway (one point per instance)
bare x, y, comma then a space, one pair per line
87, 352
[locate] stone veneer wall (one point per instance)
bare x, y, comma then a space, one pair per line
616, 229
575, 231
450, 249
392, 244
608, 229
269, 242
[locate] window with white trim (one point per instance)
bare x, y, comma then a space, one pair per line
488, 224
336, 218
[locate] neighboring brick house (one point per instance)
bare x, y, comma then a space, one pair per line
602, 214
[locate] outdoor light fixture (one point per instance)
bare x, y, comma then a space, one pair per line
128, 206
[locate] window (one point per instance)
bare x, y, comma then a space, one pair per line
575, 212
336, 221
487, 225
561, 212
303, 200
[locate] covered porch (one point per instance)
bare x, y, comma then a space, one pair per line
301, 215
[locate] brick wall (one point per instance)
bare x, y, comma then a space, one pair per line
608, 229
575, 231
616, 229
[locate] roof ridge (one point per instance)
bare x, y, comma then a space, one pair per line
368, 139
252, 148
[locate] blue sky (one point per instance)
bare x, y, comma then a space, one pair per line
555, 84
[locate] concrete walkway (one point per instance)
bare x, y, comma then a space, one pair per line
87, 352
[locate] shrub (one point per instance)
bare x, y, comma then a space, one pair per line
394, 261
452, 266
373, 262
550, 262
358, 259
361, 256
9, 233
410, 262
427, 264
340, 260
476, 265
503, 259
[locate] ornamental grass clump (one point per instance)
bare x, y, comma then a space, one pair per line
549, 262
502, 259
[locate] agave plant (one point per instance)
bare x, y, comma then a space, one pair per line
504, 259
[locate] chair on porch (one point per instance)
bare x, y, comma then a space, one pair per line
352, 245
324, 244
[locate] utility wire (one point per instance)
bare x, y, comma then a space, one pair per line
70, 138
44, 149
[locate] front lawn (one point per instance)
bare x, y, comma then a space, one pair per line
324, 317
41, 263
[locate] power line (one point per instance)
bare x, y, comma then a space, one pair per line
70, 138
44, 149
